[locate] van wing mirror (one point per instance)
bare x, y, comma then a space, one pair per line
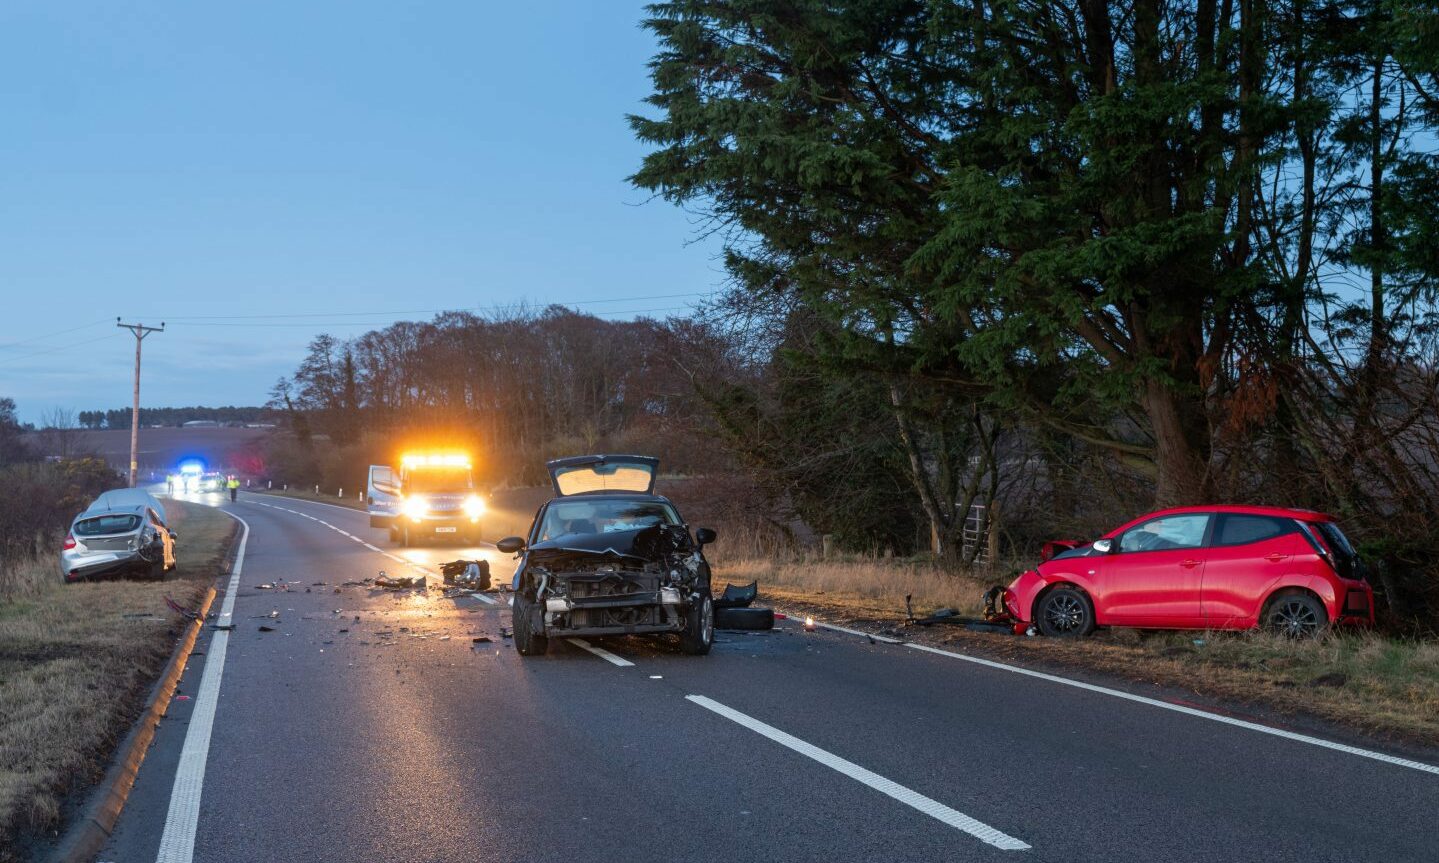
705, 535
511, 545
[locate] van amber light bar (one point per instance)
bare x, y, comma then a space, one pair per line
435, 460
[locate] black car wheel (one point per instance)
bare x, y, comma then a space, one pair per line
1296, 615
699, 634
744, 618
1065, 612
527, 641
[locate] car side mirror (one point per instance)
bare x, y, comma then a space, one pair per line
1103, 546
511, 545
174, 537
705, 535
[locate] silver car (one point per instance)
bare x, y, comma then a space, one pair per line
120, 540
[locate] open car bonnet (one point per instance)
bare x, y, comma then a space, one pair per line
584, 474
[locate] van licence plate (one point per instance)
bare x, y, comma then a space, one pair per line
445, 529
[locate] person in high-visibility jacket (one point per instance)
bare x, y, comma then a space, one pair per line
233, 484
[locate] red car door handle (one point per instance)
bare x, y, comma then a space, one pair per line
1189, 564
1275, 557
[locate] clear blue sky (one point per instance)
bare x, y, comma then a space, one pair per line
163, 161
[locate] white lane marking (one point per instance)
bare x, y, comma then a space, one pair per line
177, 843
371, 547
1189, 711
884, 638
482, 598
600, 652
933, 808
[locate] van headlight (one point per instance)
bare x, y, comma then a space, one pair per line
415, 507
474, 506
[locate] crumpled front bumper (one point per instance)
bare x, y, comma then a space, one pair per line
1000, 607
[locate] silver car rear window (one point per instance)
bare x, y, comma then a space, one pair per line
107, 524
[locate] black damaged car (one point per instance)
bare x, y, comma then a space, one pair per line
607, 556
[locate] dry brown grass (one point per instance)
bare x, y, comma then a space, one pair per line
862, 584
76, 662
1363, 680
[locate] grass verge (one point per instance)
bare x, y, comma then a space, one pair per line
1382, 686
76, 662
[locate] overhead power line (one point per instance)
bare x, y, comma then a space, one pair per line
494, 307
64, 347
388, 322
32, 340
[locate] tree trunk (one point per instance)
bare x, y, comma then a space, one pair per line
1181, 447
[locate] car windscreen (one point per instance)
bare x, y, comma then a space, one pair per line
603, 516
105, 525
430, 479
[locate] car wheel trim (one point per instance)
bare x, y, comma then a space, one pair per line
1294, 617
1064, 613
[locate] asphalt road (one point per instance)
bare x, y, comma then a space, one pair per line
369, 727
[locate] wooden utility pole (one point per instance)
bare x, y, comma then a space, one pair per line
140, 331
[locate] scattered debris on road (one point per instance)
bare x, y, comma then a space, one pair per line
403, 582
473, 574
738, 597
264, 628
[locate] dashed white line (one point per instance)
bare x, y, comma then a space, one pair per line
177, 843
933, 808
600, 652
483, 598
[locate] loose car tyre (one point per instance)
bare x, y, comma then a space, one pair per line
1295, 615
744, 618
699, 634
1065, 612
526, 641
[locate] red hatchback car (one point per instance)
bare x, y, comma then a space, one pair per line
1200, 567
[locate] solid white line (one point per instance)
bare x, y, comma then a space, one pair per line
1189, 711
482, 598
371, 547
177, 843
600, 652
933, 808
883, 638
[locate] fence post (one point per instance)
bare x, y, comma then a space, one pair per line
992, 529
341, 494
826, 546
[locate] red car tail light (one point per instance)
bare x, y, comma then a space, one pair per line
69, 542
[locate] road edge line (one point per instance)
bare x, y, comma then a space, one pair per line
177, 842
87, 836
1190, 711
